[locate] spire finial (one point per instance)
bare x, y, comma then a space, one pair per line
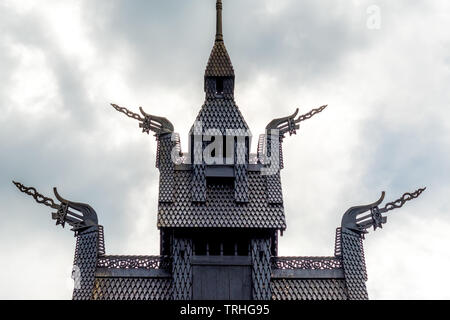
219, 34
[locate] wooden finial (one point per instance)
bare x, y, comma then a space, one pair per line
219, 34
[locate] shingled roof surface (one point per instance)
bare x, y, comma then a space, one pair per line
132, 289
161, 289
221, 114
309, 289
221, 209
219, 63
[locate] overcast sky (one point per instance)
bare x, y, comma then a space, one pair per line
385, 77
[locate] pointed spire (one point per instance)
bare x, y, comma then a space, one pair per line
219, 63
219, 33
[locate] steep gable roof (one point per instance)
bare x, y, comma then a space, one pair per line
219, 63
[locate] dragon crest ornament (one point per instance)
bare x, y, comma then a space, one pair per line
354, 219
291, 124
158, 125
81, 217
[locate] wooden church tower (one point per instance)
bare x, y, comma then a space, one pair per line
220, 214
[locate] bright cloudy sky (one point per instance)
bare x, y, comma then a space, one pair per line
63, 61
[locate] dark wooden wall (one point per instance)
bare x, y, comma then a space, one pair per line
222, 278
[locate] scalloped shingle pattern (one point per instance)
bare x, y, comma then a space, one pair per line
354, 265
132, 289
221, 114
220, 209
311, 289
219, 63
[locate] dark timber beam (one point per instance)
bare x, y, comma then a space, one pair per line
131, 273
308, 274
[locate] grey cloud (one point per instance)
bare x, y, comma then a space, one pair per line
370, 139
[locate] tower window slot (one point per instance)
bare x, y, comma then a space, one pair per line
219, 86
214, 248
228, 248
243, 247
200, 247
